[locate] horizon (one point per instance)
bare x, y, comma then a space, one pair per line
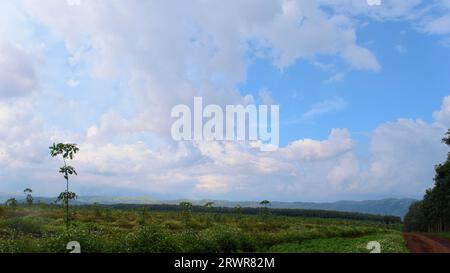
362, 87
12, 194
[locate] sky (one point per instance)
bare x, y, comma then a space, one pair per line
363, 88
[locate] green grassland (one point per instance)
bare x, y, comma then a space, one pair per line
41, 228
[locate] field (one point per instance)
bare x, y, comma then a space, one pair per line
41, 228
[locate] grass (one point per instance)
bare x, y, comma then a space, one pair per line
390, 243
41, 228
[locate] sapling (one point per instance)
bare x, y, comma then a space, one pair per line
67, 152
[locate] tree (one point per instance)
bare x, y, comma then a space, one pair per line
208, 205
208, 208
143, 217
11, 202
237, 211
66, 151
433, 213
415, 220
446, 139
186, 211
265, 203
265, 208
28, 196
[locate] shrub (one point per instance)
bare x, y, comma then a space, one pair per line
89, 242
26, 225
194, 242
151, 239
228, 239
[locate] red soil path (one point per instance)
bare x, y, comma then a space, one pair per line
418, 243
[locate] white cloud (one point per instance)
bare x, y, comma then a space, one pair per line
17, 73
439, 25
214, 183
338, 77
338, 143
325, 107
403, 156
164, 53
346, 171
442, 116
361, 58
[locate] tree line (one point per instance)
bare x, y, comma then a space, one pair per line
264, 210
432, 214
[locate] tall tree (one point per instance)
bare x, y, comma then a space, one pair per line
67, 152
433, 213
265, 208
28, 196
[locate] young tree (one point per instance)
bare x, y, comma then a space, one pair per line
208, 208
237, 211
186, 211
143, 216
66, 151
265, 208
28, 197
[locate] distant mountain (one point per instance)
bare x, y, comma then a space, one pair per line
396, 207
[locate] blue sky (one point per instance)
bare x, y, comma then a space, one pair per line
363, 94
411, 84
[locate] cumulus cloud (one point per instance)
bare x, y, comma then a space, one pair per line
442, 116
162, 54
201, 52
399, 162
338, 143
403, 154
17, 73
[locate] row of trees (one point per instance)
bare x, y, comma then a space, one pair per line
432, 214
264, 211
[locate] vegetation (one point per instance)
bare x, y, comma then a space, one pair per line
12, 202
66, 151
432, 214
391, 242
28, 196
238, 210
100, 228
184, 228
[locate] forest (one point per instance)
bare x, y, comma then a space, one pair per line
432, 214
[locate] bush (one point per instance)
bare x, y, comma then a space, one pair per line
89, 242
227, 239
26, 225
151, 239
194, 242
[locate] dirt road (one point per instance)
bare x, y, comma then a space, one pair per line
418, 243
